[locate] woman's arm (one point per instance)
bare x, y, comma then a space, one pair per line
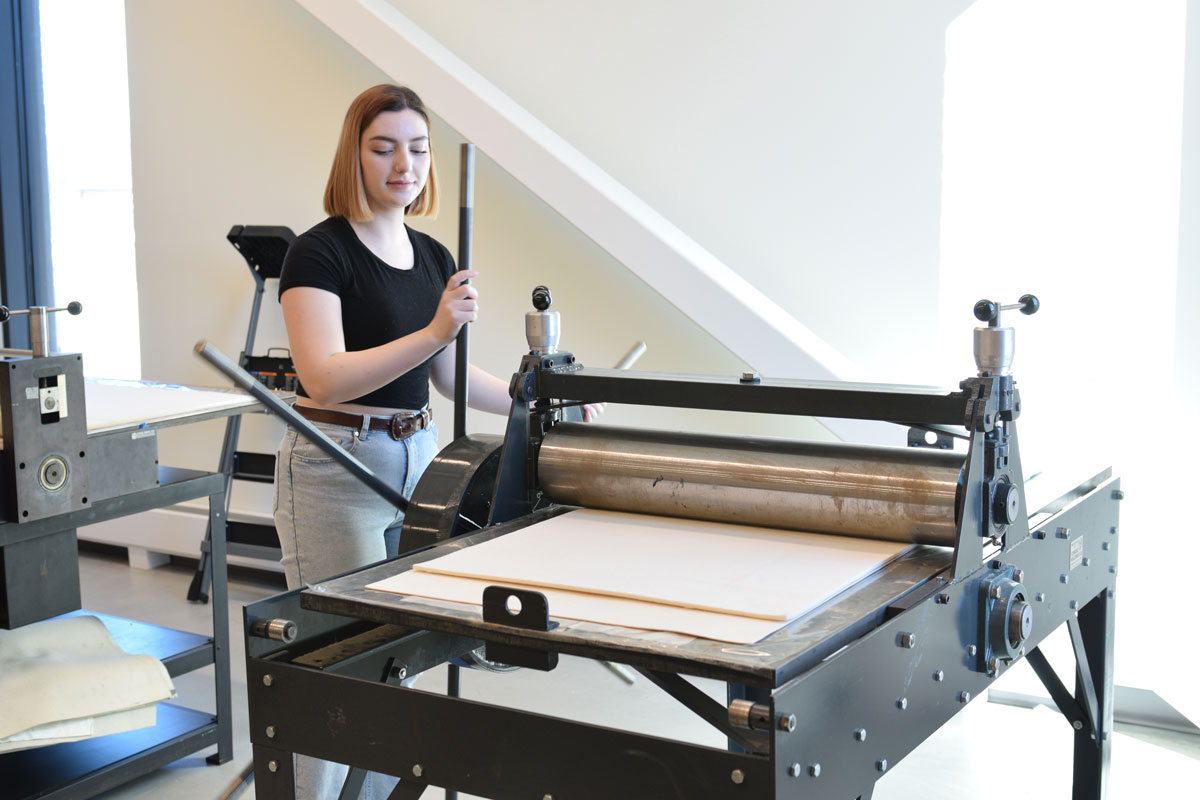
332, 375
487, 392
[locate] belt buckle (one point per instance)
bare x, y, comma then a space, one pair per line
402, 426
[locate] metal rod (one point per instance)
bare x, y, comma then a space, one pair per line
305, 428
465, 221
462, 364
630, 358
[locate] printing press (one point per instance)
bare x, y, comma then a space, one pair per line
821, 708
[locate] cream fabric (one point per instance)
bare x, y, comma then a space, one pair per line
70, 669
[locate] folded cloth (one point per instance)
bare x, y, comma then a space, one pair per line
69, 669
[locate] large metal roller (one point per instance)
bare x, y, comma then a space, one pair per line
876, 492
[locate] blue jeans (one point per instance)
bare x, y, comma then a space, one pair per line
329, 522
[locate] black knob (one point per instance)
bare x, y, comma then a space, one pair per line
1029, 304
1006, 504
74, 307
4, 315
541, 298
986, 311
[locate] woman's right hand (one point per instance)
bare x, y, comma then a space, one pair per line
459, 305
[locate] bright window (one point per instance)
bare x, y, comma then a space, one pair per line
91, 196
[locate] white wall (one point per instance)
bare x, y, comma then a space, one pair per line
801, 143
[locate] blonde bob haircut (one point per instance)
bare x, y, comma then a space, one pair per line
344, 193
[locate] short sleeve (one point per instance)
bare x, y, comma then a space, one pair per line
314, 260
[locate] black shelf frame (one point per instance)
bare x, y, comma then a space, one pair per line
77, 770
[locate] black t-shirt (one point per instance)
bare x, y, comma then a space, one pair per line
379, 302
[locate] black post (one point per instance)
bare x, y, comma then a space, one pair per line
465, 212
461, 362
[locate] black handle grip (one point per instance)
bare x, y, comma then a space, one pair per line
541, 298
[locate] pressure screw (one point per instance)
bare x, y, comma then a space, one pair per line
737, 776
268, 680
794, 769
273, 766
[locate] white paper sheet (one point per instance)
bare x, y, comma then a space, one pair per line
714, 580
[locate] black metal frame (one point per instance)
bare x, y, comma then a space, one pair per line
915, 643
87, 768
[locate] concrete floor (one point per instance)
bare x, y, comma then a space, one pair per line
987, 752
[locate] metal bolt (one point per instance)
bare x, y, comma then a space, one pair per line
1062, 533
273, 766
1087, 562
972, 650
1118, 494
1113, 530
1113, 569
547, 797
814, 770
997, 541
794, 769
1019, 576
787, 722
270, 731
1040, 597
993, 664
1106, 545
902, 703
1111, 594
943, 598
938, 674
749, 377
860, 734
907, 640
1065, 578
881, 765
737, 776
400, 672
268, 680
1039, 534
995, 591
1077, 725
1074, 604
417, 770
964, 697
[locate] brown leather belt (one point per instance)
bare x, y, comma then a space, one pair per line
398, 426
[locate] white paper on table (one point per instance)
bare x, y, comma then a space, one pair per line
658, 567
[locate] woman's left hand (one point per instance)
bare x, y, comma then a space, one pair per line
592, 411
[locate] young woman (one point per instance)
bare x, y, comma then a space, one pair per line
370, 307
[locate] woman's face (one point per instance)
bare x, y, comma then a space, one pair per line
394, 153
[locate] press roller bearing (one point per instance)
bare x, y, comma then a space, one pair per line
53, 473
